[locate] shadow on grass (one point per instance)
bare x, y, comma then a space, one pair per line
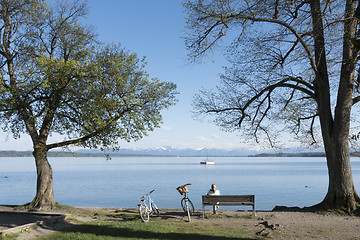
123, 232
175, 215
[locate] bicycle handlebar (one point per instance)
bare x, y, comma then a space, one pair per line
185, 184
147, 194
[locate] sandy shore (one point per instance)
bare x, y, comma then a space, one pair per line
273, 225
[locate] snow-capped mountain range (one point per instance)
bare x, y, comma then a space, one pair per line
171, 151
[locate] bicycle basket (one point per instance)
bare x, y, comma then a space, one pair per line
182, 189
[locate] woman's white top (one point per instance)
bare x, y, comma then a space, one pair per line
211, 192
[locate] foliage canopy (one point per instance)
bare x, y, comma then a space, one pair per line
63, 81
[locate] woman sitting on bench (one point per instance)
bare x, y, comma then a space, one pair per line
214, 191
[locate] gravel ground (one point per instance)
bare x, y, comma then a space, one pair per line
272, 225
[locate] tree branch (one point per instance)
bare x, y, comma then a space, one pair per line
85, 138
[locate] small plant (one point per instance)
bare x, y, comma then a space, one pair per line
338, 211
11, 236
59, 206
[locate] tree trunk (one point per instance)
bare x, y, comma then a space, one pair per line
44, 198
335, 130
341, 191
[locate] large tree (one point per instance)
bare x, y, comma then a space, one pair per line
57, 79
292, 61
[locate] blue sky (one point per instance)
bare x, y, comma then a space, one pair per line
154, 29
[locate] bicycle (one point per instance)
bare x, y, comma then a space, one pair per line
186, 203
147, 207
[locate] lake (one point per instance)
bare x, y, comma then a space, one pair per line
120, 182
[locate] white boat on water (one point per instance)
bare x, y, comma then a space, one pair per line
208, 162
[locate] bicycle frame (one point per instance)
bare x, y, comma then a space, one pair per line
147, 201
186, 199
186, 203
149, 205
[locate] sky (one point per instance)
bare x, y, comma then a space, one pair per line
154, 29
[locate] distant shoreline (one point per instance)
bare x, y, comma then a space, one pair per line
72, 154
305, 154
80, 154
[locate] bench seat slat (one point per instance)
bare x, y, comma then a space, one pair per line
228, 200
229, 204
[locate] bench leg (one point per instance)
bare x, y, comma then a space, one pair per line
203, 211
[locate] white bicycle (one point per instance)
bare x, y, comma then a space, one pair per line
147, 207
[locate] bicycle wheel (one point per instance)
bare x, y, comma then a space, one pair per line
144, 213
190, 205
155, 209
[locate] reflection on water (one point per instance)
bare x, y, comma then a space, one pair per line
120, 182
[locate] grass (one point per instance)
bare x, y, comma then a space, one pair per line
126, 224
127, 215
9, 236
339, 211
151, 230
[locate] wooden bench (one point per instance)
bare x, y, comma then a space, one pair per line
227, 200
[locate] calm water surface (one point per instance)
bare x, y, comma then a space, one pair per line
120, 182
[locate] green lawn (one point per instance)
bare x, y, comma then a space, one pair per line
151, 230
126, 224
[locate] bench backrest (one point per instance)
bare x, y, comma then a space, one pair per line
213, 199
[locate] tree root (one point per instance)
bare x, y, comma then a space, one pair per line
351, 208
38, 204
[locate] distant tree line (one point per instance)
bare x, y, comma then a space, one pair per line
68, 154
77, 154
307, 154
